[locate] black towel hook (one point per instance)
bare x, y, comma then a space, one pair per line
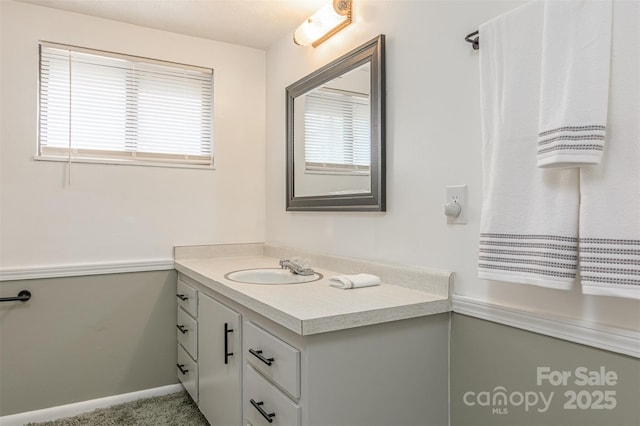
475, 42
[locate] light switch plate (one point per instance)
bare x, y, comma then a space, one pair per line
457, 194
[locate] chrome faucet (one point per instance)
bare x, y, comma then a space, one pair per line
297, 266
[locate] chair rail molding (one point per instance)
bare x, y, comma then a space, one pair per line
56, 271
612, 339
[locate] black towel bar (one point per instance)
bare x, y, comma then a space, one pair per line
23, 296
475, 42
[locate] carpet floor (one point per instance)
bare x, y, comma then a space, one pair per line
176, 409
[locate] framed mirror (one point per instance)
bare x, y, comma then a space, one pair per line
336, 134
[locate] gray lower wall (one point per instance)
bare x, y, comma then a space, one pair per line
80, 338
88, 337
486, 355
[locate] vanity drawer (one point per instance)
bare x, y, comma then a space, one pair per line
188, 373
188, 333
261, 398
273, 357
187, 298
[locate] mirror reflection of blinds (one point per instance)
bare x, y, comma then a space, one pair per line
336, 131
101, 106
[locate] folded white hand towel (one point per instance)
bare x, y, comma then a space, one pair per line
529, 219
610, 205
576, 52
346, 282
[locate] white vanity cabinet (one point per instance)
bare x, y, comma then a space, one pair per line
219, 362
391, 372
187, 333
209, 354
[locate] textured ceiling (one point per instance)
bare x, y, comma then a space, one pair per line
253, 23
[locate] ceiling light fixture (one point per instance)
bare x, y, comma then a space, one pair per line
327, 21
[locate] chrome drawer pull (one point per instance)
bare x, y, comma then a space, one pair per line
182, 370
258, 406
182, 297
182, 329
258, 354
227, 354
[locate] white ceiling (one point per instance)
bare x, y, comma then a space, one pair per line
253, 23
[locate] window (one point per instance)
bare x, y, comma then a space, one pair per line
336, 132
104, 107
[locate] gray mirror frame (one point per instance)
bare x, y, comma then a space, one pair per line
373, 52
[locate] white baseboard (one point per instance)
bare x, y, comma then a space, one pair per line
69, 410
35, 272
609, 338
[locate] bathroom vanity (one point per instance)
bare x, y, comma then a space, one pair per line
311, 354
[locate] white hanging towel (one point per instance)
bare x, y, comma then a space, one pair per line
576, 52
529, 221
610, 205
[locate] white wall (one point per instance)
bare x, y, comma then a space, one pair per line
113, 213
433, 140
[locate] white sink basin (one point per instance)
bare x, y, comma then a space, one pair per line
270, 276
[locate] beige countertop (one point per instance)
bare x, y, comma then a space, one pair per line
316, 307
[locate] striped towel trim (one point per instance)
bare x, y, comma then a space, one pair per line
572, 140
534, 255
610, 263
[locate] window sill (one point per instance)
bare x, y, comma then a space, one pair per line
124, 162
335, 172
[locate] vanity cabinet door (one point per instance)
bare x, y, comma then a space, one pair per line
219, 362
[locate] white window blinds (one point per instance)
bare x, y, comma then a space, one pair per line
98, 106
336, 131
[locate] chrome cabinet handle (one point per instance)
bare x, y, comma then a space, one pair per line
227, 354
258, 354
182, 370
258, 406
182, 297
182, 329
